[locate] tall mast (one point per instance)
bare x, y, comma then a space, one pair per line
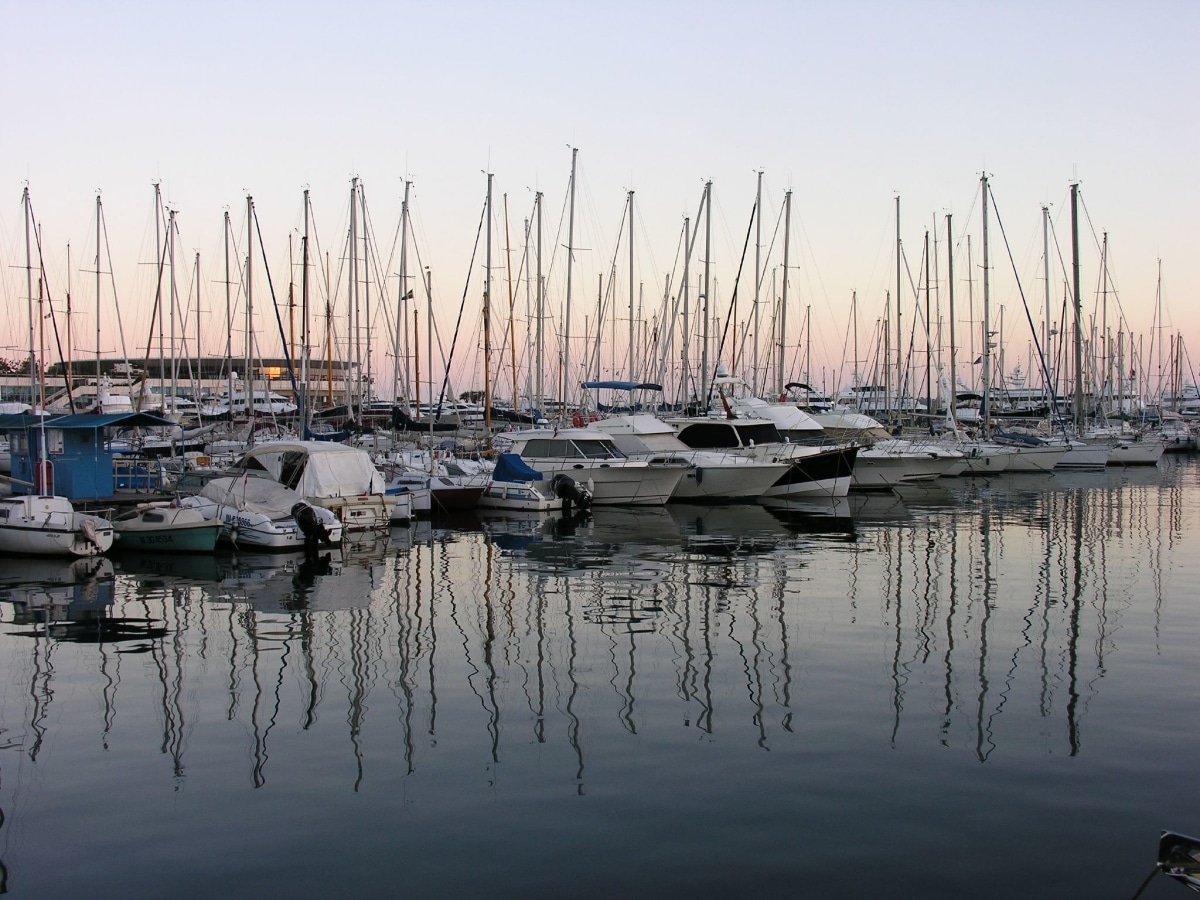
1078, 307
248, 378
632, 374
405, 294
528, 316
987, 337
228, 321
566, 327
1046, 354
687, 334
305, 346
512, 323
97, 294
928, 334
290, 349
951, 400
780, 369
365, 384
67, 365
353, 291
174, 301
158, 262
1105, 341
429, 327
854, 321
29, 297
899, 334
704, 307
487, 322
757, 384
539, 349
199, 358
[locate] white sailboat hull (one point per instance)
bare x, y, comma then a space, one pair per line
49, 526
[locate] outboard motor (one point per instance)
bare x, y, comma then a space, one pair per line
311, 526
568, 489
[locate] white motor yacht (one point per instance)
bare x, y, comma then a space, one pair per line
592, 458
712, 475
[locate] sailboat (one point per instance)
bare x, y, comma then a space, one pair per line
50, 526
41, 523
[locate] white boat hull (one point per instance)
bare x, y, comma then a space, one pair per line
49, 526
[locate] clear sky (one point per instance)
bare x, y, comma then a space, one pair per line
847, 104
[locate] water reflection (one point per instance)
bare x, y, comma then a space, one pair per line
975, 617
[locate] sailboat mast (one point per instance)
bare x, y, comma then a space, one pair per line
97, 294
158, 262
248, 377
928, 334
704, 307
756, 383
199, 358
29, 298
685, 361
987, 337
632, 366
1105, 339
566, 327
781, 368
429, 328
1078, 308
539, 348
512, 319
228, 321
1046, 276
405, 294
174, 303
953, 398
365, 385
899, 334
487, 322
305, 345
353, 292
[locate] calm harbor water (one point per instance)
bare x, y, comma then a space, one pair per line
982, 689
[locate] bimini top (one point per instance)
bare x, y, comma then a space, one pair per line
315, 469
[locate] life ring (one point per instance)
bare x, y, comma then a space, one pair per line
577, 420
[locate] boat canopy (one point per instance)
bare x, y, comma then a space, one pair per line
316, 469
511, 468
260, 495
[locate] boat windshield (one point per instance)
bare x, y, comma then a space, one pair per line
560, 448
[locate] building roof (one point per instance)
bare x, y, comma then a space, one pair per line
85, 421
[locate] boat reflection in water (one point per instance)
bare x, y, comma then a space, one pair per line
941, 663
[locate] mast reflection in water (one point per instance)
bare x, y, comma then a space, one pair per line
714, 700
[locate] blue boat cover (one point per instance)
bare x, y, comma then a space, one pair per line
510, 467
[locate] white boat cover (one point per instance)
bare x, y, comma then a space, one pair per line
316, 469
259, 495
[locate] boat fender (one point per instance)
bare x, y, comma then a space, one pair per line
88, 527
